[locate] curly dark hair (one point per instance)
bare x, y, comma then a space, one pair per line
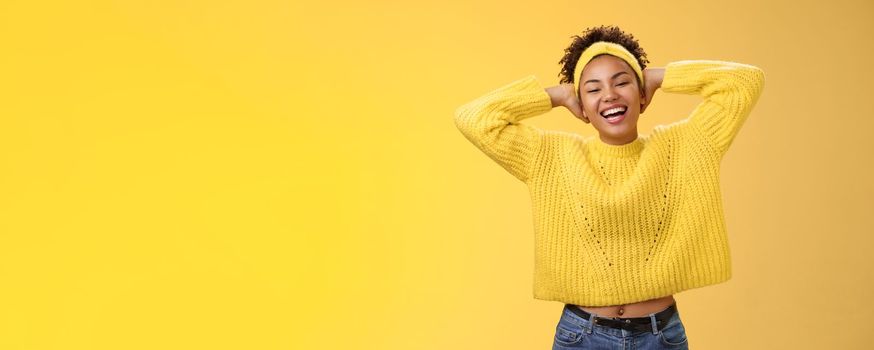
592, 35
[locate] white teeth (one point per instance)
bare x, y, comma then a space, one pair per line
613, 110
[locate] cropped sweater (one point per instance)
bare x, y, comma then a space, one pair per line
618, 224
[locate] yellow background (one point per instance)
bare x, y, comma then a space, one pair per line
287, 175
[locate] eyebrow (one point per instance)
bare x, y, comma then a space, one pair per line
613, 77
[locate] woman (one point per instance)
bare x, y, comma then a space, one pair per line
622, 221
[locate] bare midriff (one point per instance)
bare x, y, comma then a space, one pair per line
638, 309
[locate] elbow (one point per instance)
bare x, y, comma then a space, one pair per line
754, 82
466, 119
754, 78
758, 79
460, 119
749, 81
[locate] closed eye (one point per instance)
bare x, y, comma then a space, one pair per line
620, 84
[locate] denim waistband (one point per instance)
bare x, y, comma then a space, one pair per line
653, 324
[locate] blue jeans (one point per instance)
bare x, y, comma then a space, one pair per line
575, 332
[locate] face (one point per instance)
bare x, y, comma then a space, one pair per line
609, 82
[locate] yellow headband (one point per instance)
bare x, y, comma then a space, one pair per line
604, 47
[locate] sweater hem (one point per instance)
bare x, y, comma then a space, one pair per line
600, 302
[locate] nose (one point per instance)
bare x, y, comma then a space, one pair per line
609, 94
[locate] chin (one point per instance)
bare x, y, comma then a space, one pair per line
622, 131
624, 126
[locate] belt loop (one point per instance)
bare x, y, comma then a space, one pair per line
591, 322
652, 319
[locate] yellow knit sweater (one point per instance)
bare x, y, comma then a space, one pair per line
617, 224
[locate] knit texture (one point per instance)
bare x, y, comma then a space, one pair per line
618, 224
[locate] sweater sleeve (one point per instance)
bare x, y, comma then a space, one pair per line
730, 90
492, 123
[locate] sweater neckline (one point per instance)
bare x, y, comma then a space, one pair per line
624, 150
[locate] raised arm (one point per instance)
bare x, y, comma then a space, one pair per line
730, 91
492, 123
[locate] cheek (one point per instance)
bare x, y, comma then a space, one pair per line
589, 103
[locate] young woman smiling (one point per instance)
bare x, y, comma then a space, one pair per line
623, 221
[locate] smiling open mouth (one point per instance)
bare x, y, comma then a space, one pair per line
615, 115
